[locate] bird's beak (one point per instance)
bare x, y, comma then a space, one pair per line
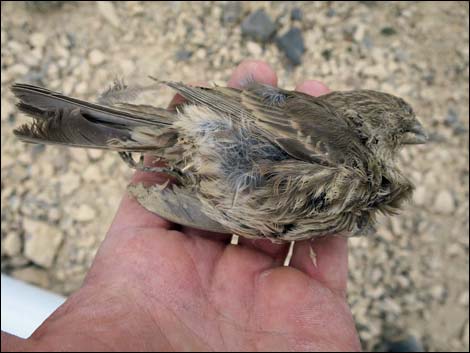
415, 136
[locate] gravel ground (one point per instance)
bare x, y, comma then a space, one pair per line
58, 203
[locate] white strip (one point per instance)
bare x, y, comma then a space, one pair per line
25, 307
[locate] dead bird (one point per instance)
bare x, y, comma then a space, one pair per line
259, 162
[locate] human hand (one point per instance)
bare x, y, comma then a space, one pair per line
157, 286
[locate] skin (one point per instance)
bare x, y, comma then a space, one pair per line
158, 286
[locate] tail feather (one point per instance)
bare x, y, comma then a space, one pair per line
59, 119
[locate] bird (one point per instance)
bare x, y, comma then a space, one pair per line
257, 161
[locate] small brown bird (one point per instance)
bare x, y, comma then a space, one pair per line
260, 162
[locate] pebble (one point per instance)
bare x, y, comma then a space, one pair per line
452, 120
388, 31
38, 39
19, 69
78, 155
95, 154
232, 12
11, 244
18, 261
254, 49
420, 195
127, 67
108, 11
438, 292
96, 57
258, 26
292, 44
81, 88
41, 242
183, 55
92, 173
7, 108
69, 183
296, 14
84, 213
444, 202
463, 298
32, 275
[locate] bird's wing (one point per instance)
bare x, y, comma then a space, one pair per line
301, 125
305, 127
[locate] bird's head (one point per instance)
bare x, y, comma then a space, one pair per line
384, 122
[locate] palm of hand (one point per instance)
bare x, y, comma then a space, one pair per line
153, 287
190, 292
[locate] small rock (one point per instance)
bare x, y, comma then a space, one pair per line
392, 306
7, 109
296, 14
254, 49
41, 242
53, 214
92, 173
452, 117
359, 33
38, 40
81, 88
327, 53
330, 12
84, 213
452, 120
444, 202
200, 54
127, 67
96, 57
108, 11
420, 195
367, 42
454, 249
18, 261
95, 154
69, 183
18, 69
12, 244
44, 6
78, 155
183, 55
438, 292
292, 44
388, 31
405, 344
232, 12
32, 275
396, 224
463, 298
258, 26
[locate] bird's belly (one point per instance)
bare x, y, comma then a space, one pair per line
253, 188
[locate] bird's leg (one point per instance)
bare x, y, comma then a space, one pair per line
289, 254
234, 240
127, 157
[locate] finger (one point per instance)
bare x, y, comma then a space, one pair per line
256, 70
327, 264
312, 87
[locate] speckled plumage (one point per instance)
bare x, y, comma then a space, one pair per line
256, 162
